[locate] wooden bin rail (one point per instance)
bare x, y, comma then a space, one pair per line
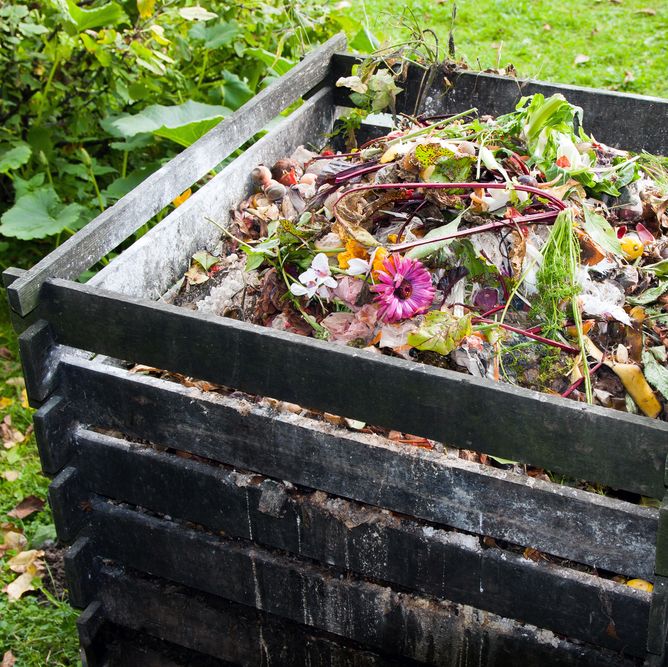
182, 609
583, 442
572, 524
354, 538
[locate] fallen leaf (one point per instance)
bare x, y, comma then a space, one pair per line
22, 584
10, 436
628, 76
581, 59
177, 201
26, 507
547, 26
27, 561
8, 659
11, 475
647, 11
5, 402
5, 353
17, 381
196, 275
24, 399
14, 541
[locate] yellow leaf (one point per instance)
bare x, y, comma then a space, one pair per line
146, 8
24, 399
13, 541
158, 33
22, 584
5, 402
641, 585
182, 197
27, 561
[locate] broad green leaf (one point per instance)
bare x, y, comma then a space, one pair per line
254, 261
277, 64
655, 373
38, 215
440, 332
383, 90
364, 41
121, 186
217, 35
602, 232
183, 123
196, 13
15, 157
106, 15
650, 295
235, 91
24, 186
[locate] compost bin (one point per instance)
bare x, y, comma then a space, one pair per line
211, 529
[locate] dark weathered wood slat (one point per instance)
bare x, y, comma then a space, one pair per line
53, 431
122, 219
567, 522
297, 590
159, 258
633, 122
585, 442
210, 629
352, 537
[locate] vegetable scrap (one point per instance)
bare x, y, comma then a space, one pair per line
515, 248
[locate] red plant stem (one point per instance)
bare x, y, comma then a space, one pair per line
577, 383
496, 309
334, 156
355, 172
528, 334
536, 218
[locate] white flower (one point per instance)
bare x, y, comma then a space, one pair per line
315, 280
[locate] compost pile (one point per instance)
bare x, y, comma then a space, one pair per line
514, 248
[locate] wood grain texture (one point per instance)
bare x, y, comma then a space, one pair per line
355, 538
623, 120
180, 625
573, 524
161, 257
372, 614
127, 215
581, 441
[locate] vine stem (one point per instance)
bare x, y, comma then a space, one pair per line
47, 87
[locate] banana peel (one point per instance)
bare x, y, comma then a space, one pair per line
631, 376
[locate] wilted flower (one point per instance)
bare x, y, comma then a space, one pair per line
315, 280
404, 289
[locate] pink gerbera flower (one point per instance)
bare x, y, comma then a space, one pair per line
404, 289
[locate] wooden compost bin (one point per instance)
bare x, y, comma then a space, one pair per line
288, 541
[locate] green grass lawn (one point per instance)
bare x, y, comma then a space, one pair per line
626, 41
627, 49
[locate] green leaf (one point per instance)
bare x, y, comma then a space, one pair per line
24, 186
196, 13
215, 36
655, 373
121, 186
429, 248
38, 215
205, 259
104, 16
235, 90
254, 261
15, 157
278, 64
383, 90
42, 535
650, 295
183, 123
660, 269
440, 332
364, 41
601, 232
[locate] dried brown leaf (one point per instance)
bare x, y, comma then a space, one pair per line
8, 659
5, 353
581, 59
21, 585
14, 541
11, 475
27, 561
647, 11
26, 507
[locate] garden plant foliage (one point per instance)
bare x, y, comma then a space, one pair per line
96, 96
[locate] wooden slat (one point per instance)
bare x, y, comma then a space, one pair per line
160, 257
186, 629
573, 524
585, 442
127, 215
633, 122
357, 538
300, 591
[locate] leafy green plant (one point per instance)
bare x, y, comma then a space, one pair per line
97, 95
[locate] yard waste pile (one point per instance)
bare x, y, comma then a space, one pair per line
515, 248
